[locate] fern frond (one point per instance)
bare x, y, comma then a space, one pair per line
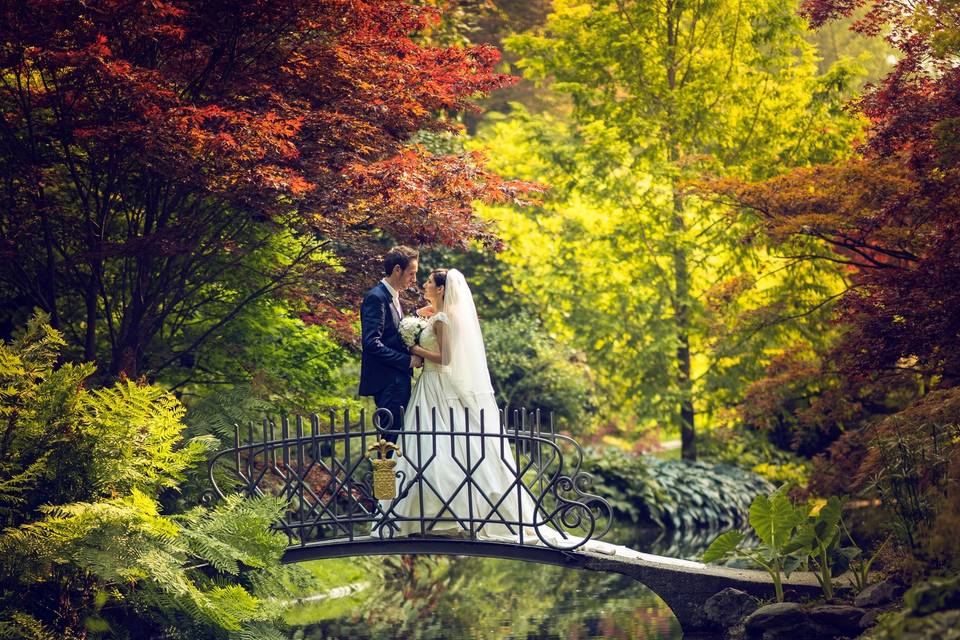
260, 630
23, 626
218, 413
138, 436
239, 524
80, 477
13, 488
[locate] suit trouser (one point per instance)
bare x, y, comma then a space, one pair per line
395, 398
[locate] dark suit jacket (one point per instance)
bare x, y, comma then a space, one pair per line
385, 357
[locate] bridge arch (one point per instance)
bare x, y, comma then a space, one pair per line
320, 467
683, 586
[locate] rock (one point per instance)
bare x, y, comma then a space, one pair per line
845, 620
774, 616
879, 594
729, 607
869, 619
804, 630
791, 621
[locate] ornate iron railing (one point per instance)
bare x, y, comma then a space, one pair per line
319, 466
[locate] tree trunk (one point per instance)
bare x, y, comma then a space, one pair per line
681, 270
90, 301
50, 273
681, 273
127, 350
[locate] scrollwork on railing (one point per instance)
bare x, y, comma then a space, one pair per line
518, 481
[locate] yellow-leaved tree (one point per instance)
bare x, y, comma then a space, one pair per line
676, 299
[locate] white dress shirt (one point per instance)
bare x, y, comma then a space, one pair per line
396, 297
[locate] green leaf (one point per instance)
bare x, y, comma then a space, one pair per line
797, 544
774, 519
841, 559
723, 546
850, 553
794, 562
830, 513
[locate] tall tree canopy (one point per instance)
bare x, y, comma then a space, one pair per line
165, 164
667, 292
889, 216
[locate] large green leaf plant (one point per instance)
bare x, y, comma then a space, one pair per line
792, 537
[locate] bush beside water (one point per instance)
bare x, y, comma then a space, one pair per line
678, 494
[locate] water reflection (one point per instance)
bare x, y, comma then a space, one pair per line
688, 544
423, 598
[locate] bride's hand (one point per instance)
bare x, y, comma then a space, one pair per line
417, 350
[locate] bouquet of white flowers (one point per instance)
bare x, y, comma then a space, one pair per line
410, 329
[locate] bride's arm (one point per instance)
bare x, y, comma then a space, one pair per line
432, 356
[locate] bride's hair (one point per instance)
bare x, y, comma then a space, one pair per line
439, 277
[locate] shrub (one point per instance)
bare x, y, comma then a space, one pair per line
80, 477
908, 461
532, 370
931, 610
835, 471
627, 483
941, 545
675, 494
753, 451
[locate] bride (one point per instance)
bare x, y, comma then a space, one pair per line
451, 480
457, 474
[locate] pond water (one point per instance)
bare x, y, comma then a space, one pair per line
492, 599
425, 598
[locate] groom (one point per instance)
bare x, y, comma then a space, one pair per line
386, 365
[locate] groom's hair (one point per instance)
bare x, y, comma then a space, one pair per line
399, 256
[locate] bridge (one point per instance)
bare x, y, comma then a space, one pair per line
349, 495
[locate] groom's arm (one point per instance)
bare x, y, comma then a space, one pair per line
372, 318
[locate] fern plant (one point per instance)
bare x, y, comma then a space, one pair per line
87, 548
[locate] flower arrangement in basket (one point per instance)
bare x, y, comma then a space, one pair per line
410, 329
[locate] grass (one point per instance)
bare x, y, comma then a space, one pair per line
331, 574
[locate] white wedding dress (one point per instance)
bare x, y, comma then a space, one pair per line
451, 479
437, 493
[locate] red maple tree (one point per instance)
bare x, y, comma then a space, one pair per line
151, 149
889, 215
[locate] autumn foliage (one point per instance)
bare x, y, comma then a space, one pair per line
890, 214
149, 148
